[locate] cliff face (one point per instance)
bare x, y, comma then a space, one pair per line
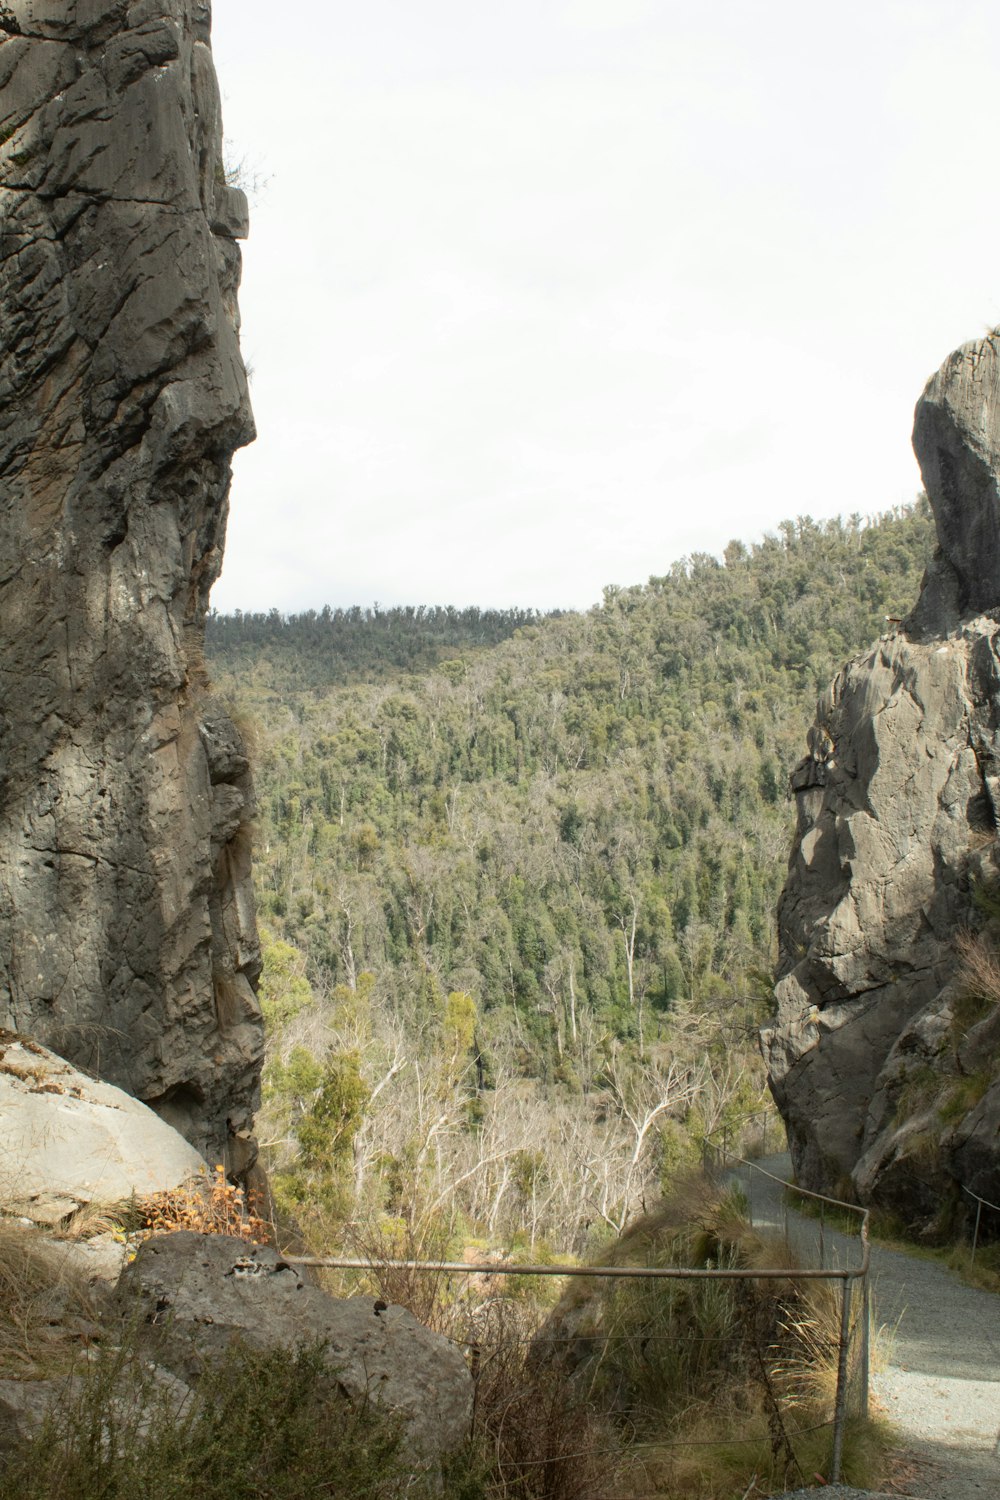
883, 1056
127, 933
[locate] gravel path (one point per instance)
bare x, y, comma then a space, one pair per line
938, 1377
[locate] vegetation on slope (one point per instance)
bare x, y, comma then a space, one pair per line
329, 647
519, 908
692, 1389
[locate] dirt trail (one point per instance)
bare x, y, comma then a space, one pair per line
939, 1377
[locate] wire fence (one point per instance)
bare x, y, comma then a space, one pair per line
720, 1161
980, 1203
853, 1339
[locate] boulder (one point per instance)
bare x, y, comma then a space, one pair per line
67, 1140
144, 1395
127, 933
24, 1405
869, 1057
191, 1295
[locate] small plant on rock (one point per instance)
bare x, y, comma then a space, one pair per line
216, 1207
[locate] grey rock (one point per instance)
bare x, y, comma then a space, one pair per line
144, 1394
67, 1140
97, 1259
898, 811
957, 443
190, 1295
127, 933
24, 1405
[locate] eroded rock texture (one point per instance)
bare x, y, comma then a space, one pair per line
883, 1062
127, 934
189, 1296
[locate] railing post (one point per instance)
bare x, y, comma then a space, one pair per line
840, 1403
866, 1330
975, 1232
822, 1234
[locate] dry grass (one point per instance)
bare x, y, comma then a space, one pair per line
264, 1423
535, 1436
430, 1296
979, 967
541, 1438
694, 1390
47, 1311
723, 1383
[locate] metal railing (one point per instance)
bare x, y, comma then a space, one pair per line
981, 1203
846, 1275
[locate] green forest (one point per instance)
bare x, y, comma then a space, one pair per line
517, 873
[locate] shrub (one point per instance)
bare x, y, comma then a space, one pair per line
212, 1207
264, 1424
719, 1383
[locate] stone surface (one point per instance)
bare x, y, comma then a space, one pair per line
127, 932
99, 1259
898, 810
67, 1141
144, 1394
195, 1293
956, 438
24, 1405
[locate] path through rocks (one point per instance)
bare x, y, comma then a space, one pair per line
937, 1375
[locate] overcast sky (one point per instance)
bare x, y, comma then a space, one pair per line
543, 295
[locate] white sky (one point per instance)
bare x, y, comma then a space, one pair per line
544, 294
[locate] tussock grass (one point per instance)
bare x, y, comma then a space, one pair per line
47, 1310
721, 1383
539, 1437
263, 1424
983, 1272
979, 972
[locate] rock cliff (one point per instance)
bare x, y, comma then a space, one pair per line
127, 932
883, 1053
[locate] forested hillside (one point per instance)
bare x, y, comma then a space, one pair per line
547, 866
328, 647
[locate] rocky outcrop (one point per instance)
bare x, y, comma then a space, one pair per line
883, 1056
127, 933
67, 1142
181, 1330
190, 1295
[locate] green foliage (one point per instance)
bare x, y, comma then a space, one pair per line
284, 989
324, 1105
963, 1094
459, 1023
330, 647
584, 816
328, 1127
492, 846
